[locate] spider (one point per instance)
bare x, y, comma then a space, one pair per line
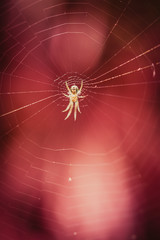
73, 95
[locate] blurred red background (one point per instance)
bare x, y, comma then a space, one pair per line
97, 177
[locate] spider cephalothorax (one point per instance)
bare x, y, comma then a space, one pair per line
74, 89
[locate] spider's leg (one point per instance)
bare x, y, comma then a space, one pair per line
66, 95
78, 108
70, 110
69, 105
75, 110
82, 96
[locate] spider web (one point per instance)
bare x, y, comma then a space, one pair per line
96, 177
